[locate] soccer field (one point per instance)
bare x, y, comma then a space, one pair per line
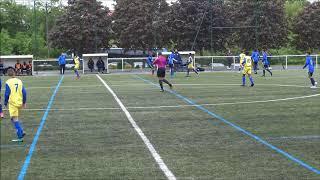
207, 127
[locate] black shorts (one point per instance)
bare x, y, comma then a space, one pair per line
171, 65
310, 74
161, 73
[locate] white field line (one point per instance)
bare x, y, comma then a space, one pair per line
119, 85
280, 85
146, 141
177, 106
295, 137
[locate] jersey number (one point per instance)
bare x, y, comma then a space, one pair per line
17, 85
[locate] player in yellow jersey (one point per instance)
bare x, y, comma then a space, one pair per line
241, 56
76, 65
190, 66
247, 69
14, 99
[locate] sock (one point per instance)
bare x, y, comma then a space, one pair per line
19, 129
188, 72
312, 81
77, 73
243, 80
161, 84
251, 80
167, 82
172, 72
269, 72
195, 71
152, 72
0, 108
264, 72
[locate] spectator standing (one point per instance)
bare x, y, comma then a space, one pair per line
62, 63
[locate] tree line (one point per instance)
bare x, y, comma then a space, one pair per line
211, 26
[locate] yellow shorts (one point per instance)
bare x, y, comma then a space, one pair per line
14, 110
76, 67
190, 66
247, 70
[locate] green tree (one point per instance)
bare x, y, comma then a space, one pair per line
6, 43
85, 26
188, 17
307, 28
22, 43
261, 23
13, 17
140, 24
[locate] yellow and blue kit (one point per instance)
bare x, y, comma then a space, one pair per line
247, 68
76, 65
15, 97
247, 65
242, 56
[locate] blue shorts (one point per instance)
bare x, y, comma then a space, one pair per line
310, 74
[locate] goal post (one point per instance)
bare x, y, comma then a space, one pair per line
94, 57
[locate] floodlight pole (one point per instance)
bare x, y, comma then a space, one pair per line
47, 30
256, 22
35, 44
211, 25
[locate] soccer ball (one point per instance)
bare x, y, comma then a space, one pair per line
316, 83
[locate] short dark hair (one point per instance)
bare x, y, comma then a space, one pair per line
11, 72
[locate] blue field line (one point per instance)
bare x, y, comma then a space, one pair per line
257, 138
26, 163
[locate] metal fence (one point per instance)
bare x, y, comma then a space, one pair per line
208, 63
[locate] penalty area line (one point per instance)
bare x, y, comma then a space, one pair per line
144, 138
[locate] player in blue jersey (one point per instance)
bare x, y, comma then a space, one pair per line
150, 61
255, 57
266, 63
310, 64
247, 69
15, 98
171, 61
1, 112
